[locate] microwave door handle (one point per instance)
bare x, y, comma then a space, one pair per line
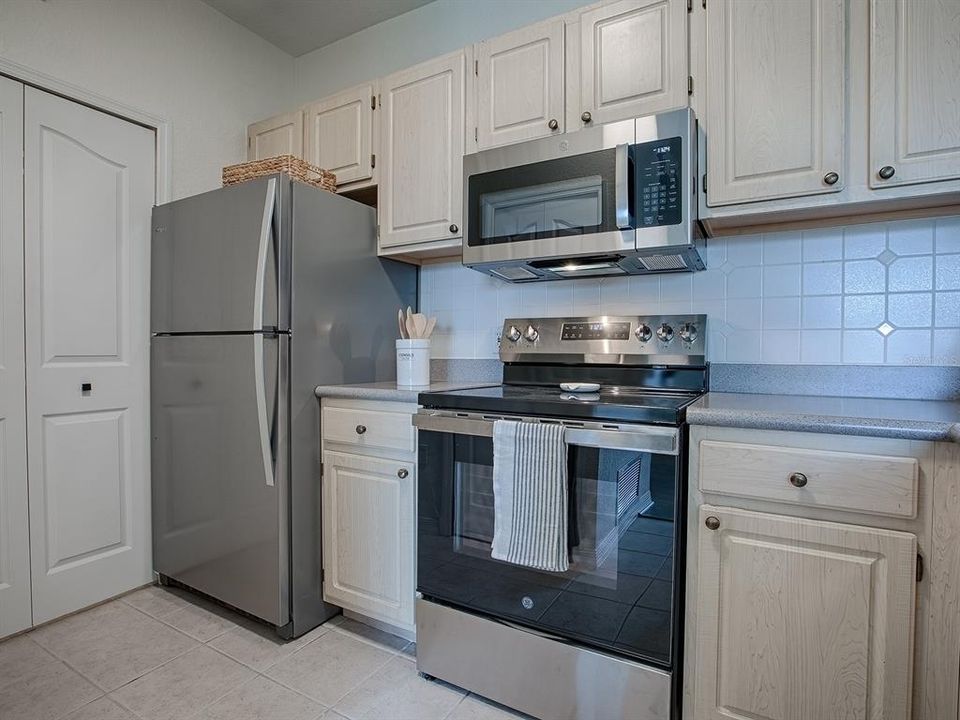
622, 186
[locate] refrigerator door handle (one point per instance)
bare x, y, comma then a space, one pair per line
266, 234
264, 415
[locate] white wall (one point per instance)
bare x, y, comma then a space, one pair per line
177, 59
817, 297
427, 32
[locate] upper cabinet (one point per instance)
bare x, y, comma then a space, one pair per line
633, 61
279, 135
421, 139
339, 135
914, 92
519, 85
774, 99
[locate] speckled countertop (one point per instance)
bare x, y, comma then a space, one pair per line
389, 391
906, 419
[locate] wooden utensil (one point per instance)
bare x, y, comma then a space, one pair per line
402, 325
411, 329
430, 325
420, 325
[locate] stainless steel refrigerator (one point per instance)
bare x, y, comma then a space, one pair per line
260, 292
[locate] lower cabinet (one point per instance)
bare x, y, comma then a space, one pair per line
369, 512
821, 577
802, 619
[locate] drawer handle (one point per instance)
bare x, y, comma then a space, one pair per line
402, 473
712, 522
361, 429
798, 480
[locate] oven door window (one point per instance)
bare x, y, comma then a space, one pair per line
618, 594
554, 198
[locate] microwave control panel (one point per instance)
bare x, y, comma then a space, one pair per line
658, 177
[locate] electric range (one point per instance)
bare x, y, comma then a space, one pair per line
603, 639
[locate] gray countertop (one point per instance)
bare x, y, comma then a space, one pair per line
389, 391
906, 419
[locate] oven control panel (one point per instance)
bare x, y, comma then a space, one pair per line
641, 340
658, 176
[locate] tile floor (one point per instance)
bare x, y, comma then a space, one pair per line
160, 654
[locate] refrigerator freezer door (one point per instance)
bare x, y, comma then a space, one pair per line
219, 468
214, 260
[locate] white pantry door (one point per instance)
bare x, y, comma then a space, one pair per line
14, 529
88, 194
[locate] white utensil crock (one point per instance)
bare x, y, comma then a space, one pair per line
413, 363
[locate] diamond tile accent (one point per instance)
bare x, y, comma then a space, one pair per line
885, 328
887, 257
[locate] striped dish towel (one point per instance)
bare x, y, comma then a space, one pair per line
530, 495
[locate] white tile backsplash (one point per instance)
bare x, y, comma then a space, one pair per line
818, 297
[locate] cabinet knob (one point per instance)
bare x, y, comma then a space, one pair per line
553, 124
886, 172
831, 178
798, 480
712, 522
402, 473
454, 228
361, 429
586, 117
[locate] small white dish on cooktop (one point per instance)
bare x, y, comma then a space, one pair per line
580, 387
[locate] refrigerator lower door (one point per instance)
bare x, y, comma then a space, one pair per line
219, 461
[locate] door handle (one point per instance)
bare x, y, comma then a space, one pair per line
266, 232
266, 417
622, 186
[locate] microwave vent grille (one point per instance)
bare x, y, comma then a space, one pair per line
664, 262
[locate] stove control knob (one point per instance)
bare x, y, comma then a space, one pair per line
688, 332
513, 334
665, 333
531, 334
643, 332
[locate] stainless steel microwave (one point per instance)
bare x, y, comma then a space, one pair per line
618, 199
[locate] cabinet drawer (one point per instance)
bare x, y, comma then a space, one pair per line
368, 428
859, 482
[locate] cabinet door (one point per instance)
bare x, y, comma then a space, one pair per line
520, 85
914, 92
339, 134
801, 619
279, 135
369, 522
89, 188
633, 60
422, 144
14, 534
774, 120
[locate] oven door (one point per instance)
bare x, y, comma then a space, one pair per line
621, 591
557, 197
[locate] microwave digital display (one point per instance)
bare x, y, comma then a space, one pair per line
658, 177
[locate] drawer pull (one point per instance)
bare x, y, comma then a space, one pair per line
402, 473
798, 480
712, 522
361, 429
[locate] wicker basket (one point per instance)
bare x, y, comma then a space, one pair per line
296, 168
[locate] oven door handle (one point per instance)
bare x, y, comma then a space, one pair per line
622, 186
640, 438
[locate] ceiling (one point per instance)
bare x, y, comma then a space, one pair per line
299, 26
